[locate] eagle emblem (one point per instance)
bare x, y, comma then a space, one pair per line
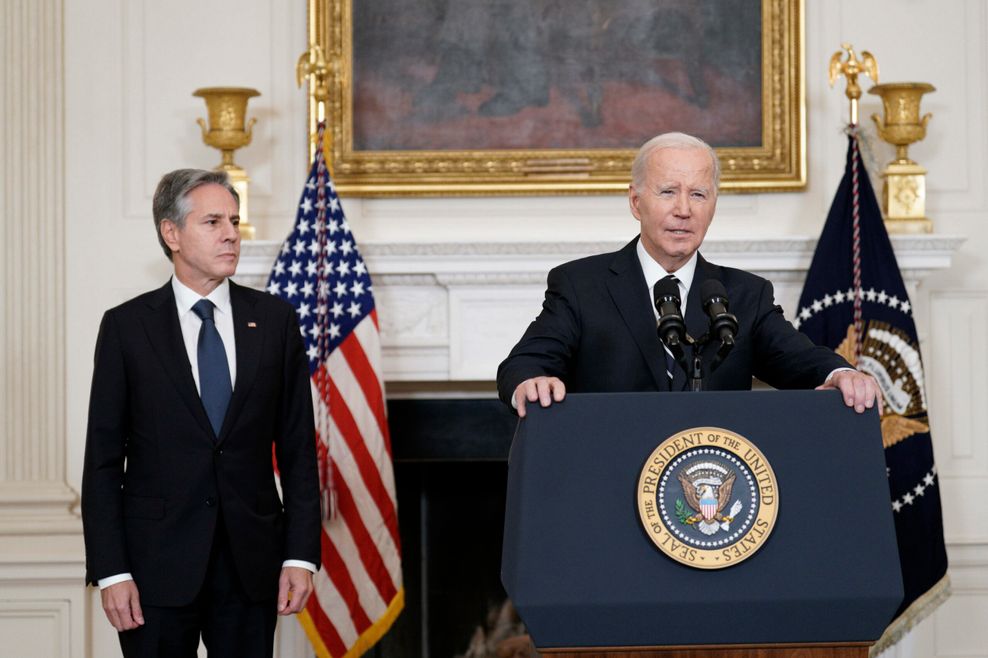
707, 487
888, 355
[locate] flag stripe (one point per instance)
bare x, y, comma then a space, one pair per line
334, 607
367, 510
368, 381
367, 426
343, 581
367, 596
342, 402
376, 490
325, 630
369, 555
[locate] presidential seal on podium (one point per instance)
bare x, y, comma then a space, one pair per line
708, 498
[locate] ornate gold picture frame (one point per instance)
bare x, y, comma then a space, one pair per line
471, 97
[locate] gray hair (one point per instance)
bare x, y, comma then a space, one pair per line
171, 199
639, 167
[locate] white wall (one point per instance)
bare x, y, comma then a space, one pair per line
130, 67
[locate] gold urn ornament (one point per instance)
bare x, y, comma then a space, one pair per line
229, 130
904, 188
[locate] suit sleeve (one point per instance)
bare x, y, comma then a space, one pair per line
295, 449
103, 465
550, 342
784, 357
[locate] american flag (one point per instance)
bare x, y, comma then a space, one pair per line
358, 592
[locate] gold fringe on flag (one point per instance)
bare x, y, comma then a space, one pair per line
921, 608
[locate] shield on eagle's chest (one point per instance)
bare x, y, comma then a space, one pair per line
708, 507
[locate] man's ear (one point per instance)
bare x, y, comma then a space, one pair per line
633, 200
169, 233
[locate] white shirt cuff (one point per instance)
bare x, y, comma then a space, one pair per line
103, 583
299, 563
832, 373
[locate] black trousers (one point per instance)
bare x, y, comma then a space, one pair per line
230, 624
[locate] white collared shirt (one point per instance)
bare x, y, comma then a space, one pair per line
185, 299
654, 272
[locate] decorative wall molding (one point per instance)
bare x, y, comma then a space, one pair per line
41, 588
147, 153
34, 496
42, 611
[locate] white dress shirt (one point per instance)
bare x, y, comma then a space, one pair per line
654, 272
185, 299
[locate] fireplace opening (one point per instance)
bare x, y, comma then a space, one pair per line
450, 460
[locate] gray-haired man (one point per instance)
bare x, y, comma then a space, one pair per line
193, 385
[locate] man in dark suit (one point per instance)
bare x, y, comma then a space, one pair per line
193, 385
597, 330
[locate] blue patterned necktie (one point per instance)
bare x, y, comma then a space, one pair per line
214, 371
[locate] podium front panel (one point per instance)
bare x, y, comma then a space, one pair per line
582, 570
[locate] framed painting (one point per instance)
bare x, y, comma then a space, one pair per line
494, 97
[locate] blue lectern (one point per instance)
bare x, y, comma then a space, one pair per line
586, 578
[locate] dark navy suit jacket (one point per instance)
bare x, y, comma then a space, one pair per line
156, 478
597, 333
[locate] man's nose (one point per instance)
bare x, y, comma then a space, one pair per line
682, 207
231, 232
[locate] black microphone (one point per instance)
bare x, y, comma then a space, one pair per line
672, 327
723, 324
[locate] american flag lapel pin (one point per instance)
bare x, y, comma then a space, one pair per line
252, 325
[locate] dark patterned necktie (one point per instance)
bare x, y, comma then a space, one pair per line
214, 370
671, 364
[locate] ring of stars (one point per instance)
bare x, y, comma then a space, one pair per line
673, 525
847, 297
916, 492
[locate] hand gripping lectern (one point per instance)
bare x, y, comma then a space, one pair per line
714, 525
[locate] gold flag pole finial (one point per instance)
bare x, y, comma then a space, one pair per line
851, 68
313, 66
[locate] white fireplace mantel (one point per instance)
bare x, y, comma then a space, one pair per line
451, 311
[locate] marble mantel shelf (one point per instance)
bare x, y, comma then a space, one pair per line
450, 311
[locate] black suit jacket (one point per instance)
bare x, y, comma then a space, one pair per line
156, 479
597, 333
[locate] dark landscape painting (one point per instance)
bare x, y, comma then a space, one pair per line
554, 74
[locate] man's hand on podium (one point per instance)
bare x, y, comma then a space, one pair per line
544, 389
860, 390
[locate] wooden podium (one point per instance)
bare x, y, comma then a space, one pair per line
588, 581
836, 650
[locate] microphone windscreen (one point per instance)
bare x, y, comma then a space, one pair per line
666, 288
710, 289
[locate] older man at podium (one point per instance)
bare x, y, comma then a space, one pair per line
597, 331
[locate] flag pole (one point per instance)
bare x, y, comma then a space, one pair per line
850, 69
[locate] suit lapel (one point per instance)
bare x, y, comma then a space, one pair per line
628, 291
165, 337
697, 323
249, 332
696, 319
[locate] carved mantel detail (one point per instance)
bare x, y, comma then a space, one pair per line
450, 311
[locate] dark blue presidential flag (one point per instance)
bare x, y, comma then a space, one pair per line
855, 302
